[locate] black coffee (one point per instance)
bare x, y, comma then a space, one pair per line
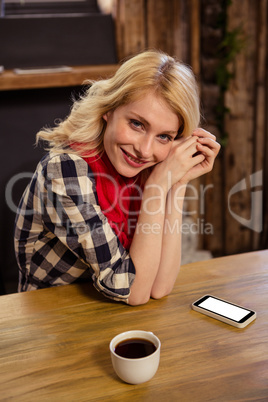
135, 348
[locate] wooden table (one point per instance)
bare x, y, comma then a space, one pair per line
54, 343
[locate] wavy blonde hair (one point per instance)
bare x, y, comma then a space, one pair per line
147, 71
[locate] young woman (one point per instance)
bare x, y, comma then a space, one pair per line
106, 202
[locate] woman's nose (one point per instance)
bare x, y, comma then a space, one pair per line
144, 147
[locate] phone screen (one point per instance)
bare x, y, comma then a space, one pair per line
223, 308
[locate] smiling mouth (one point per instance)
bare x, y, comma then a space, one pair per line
133, 159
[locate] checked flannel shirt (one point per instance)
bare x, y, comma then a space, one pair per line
61, 234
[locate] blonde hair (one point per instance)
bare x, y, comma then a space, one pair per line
147, 71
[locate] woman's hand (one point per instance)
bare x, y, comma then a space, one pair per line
178, 163
207, 148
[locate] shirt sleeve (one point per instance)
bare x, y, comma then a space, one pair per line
72, 213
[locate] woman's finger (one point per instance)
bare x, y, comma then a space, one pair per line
200, 132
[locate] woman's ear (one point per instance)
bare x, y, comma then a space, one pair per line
106, 115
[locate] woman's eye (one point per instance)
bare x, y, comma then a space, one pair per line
135, 123
165, 137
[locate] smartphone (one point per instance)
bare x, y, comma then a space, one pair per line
225, 311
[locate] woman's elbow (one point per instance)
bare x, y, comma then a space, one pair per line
160, 293
138, 300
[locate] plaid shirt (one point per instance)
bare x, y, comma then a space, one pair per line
61, 234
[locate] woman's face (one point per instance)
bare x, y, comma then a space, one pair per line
140, 134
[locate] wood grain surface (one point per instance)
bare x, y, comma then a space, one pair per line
11, 81
54, 343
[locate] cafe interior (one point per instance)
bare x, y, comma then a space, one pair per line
48, 49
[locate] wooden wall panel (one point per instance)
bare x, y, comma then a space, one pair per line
162, 23
181, 31
261, 109
195, 36
245, 125
130, 22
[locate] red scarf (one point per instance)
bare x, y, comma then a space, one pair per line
119, 197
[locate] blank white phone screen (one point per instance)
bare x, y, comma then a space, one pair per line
225, 309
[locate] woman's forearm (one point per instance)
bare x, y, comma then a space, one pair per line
156, 246
146, 247
171, 244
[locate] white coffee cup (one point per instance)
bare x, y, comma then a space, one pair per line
135, 370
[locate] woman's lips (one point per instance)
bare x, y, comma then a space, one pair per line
131, 160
